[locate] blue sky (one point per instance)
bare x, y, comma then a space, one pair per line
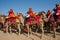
23, 5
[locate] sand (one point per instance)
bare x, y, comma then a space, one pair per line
36, 36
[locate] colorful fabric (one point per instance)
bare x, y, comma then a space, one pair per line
57, 10
31, 13
29, 20
11, 14
58, 17
49, 14
36, 19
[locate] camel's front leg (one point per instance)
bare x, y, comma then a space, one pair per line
38, 27
19, 30
54, 29
42, 30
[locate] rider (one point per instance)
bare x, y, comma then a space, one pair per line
30, 15
11, 13
48, 14
57, 11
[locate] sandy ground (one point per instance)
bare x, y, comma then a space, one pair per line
13, 36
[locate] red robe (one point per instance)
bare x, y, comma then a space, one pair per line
58, 8
49, 14
57, 12
31, 13
11, 14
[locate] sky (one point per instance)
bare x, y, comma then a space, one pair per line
22, 6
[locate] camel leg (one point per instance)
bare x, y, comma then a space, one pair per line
58, 26
10, 29
30, 30
6, 27
42, 30
27, 29
54, 30
19, 30
37, 28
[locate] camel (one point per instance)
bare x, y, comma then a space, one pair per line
12, 21
39, 23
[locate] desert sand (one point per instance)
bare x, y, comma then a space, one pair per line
13, 36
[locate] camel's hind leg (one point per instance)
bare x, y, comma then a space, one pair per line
27, 29
30, 30
54, 30
10, 29
6, 27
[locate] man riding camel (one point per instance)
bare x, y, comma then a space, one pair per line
57, 11
30, 15
11, 13
49, 14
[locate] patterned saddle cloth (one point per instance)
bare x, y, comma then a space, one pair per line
36, 19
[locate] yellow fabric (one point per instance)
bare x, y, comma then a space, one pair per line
33, 14
11, 15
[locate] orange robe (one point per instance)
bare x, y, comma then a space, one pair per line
11, 14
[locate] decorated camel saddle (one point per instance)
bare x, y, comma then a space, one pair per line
32, 17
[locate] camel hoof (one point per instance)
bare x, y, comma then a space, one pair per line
10, 32
28, 36
4, 31
54, 36
18, 33
40, 37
